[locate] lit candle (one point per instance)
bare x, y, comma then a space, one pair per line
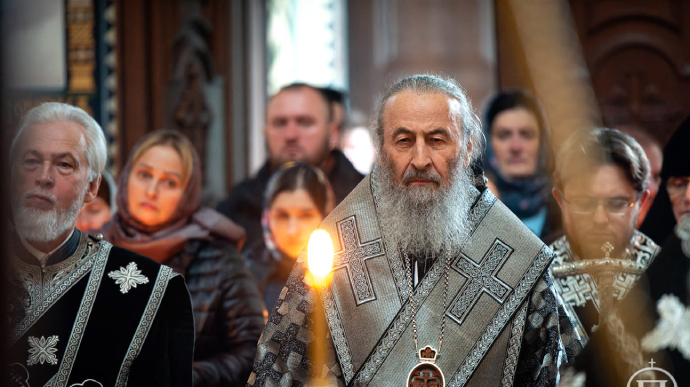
320, 263
320, 257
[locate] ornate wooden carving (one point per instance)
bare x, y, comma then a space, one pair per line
173, 71
193, 65
192, 115
638, 54
81, 52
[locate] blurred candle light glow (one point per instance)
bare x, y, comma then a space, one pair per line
320, 263
320, 255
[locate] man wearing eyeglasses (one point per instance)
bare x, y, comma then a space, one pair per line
601, 179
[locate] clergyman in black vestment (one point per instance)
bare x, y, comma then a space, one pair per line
82, 312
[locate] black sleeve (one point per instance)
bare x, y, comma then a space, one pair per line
168, 352
242, 315
542, 349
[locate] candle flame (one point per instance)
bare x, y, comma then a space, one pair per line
320, 254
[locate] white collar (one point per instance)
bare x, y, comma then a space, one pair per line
41, 256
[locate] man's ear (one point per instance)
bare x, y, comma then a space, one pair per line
92, 190
557, 194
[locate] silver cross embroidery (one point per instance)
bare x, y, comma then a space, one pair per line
128, 277
42, 350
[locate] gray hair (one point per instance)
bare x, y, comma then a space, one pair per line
587, 149
54, 112
432, 84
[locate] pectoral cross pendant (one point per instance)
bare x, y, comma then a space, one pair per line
426, 373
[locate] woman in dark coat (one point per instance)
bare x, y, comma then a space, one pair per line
160, 216
517, 161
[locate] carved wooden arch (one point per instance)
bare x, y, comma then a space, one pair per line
638, 56
671, 50
638, 92
631, 13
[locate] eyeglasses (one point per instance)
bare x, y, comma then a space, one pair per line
585, 205
677, 186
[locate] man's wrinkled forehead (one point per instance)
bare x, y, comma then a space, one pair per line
454, 106
51, 139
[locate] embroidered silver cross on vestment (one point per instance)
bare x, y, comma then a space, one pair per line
128, 277
42, 350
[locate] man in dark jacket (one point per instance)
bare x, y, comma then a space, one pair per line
300, 127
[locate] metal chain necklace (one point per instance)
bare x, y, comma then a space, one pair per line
426, 371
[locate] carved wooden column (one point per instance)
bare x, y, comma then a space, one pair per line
174, 71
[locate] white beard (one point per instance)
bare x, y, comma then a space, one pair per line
36, 225
424, 221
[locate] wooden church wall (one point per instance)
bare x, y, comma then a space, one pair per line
637, 55
388, 39
174, 72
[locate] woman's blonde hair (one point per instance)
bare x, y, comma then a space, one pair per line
175, 140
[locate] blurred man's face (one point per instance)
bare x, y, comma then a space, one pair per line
49, 180
597, 209
422, 142
298, 128
678, 188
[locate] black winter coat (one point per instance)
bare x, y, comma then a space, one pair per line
228, 311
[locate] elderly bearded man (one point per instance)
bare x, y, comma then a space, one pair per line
83, 312
427, 268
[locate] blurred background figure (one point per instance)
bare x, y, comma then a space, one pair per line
96, 213
358, 147
652, 148
300, 127
160, 215
517, 161
673, 199
337, 100
356, 143
668, 222
297, 199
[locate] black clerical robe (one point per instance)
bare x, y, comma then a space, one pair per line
580, 293
669, 289
97, 315
502, 322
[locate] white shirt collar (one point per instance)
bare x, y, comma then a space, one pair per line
41, 256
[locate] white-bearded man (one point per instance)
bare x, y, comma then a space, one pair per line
82, 312
434, 282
